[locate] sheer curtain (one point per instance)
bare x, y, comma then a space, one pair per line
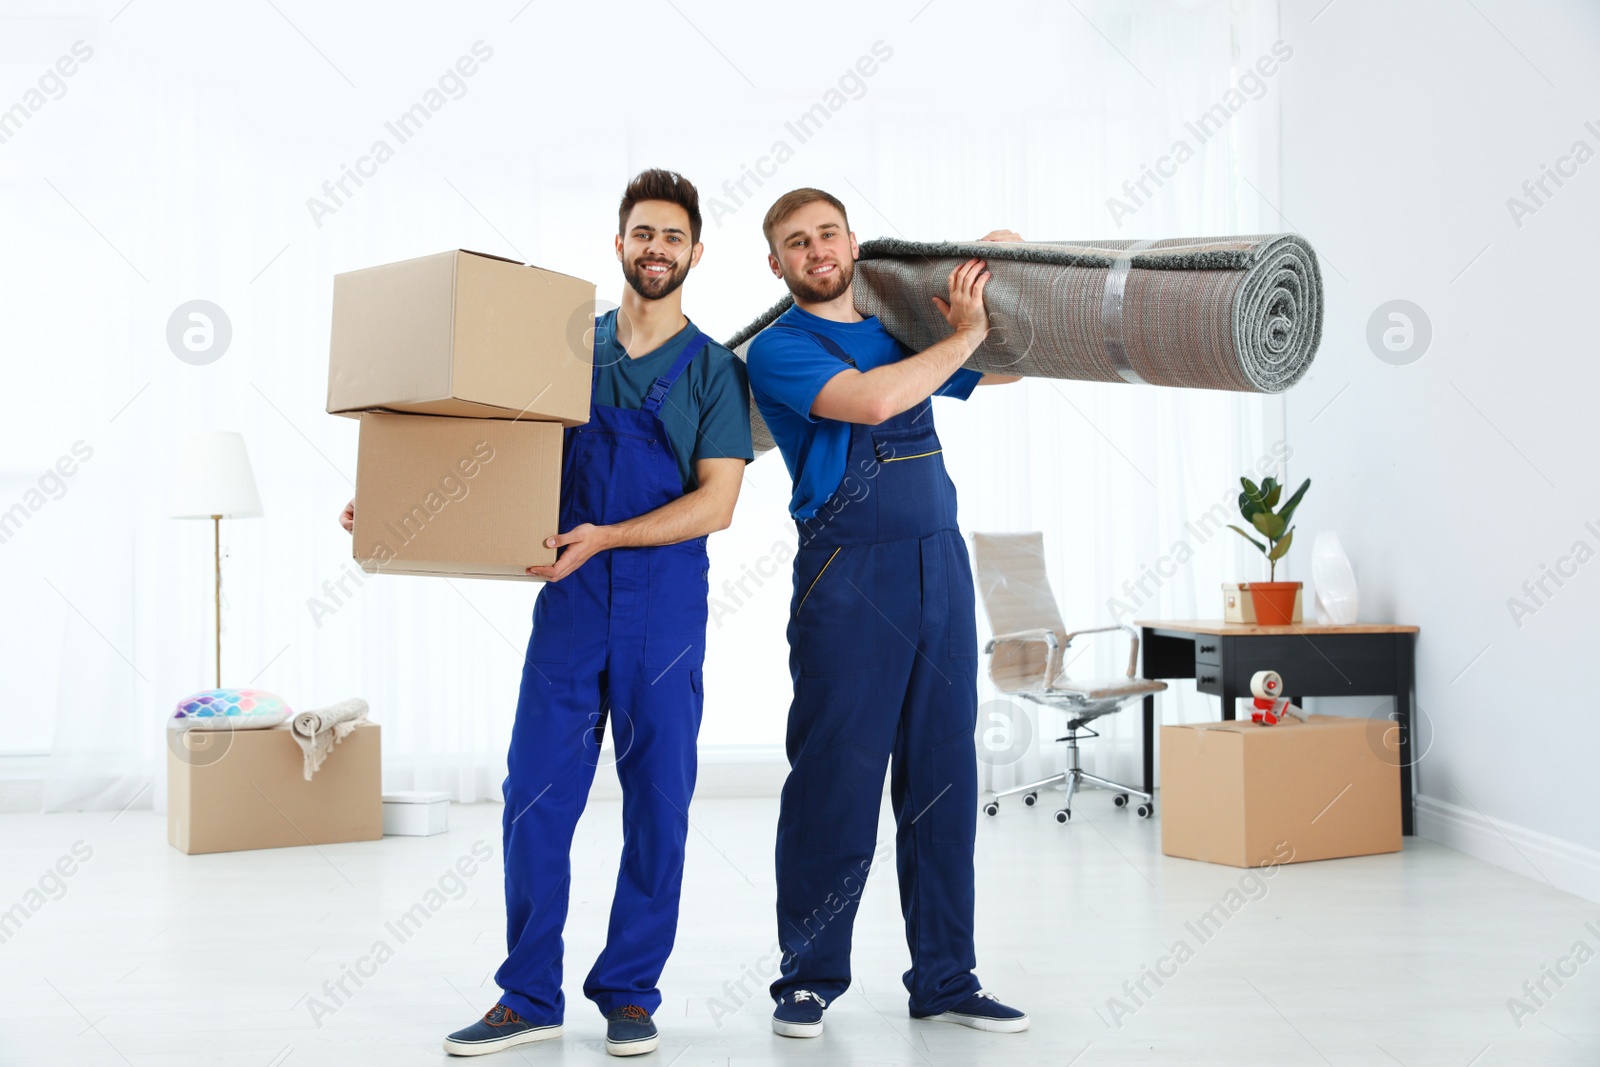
1130, 486
176, 168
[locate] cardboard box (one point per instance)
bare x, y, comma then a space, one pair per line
1239, 606
416, 814
470, 498
1248, 795
229, 790
462, 333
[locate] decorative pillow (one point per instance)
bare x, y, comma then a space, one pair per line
231, 709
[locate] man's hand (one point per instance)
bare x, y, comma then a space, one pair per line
965, 311
577, 544
1002, 235
347, 517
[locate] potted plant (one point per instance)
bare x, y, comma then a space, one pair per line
1274, 600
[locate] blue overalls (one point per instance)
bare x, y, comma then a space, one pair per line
883, 650
621, 638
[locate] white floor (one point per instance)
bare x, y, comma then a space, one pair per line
146, 956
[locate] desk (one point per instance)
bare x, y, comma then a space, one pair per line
1315, 661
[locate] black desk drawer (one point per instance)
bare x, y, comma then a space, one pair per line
1208, 678
1314, 665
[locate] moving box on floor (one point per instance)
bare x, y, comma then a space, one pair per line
229, 790
1248, 795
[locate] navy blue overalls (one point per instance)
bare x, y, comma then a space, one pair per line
883, 651
622, 639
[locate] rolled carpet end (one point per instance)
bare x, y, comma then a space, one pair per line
1242, 314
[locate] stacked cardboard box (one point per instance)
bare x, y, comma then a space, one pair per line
463, 369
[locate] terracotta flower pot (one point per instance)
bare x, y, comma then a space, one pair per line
1274, 602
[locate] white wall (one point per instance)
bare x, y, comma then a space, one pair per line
178, 161
1454, 479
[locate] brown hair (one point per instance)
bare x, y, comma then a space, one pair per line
793, 201
659, 184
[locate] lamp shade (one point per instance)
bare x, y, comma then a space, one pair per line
214, 478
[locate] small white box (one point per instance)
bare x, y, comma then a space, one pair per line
415, 814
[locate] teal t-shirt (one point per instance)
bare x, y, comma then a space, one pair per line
707, 410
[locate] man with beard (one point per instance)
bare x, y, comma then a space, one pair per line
882, 629
619, 637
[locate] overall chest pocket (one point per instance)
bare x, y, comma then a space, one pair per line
916, 494
905, 444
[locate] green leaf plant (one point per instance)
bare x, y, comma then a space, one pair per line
1256, 504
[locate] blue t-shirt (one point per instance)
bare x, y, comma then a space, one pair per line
788, 369
707, 410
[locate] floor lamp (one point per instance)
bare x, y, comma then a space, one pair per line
215, 482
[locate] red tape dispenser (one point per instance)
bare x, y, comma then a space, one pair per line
1271, 705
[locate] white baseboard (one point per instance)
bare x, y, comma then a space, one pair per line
1570, 867
22, 782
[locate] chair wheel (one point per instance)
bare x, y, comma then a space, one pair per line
992, 808
1144, 811
1063, 815
1030, 799
1120, 800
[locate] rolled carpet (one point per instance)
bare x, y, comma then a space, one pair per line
1233, 313
316, 732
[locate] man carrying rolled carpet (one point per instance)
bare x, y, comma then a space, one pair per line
619, 637
882, 627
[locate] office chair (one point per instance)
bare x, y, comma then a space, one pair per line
1025, 660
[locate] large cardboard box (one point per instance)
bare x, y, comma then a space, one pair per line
458, 497
1248, 795
229, 790
462, 333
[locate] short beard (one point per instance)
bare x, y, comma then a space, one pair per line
651, 287
820, 292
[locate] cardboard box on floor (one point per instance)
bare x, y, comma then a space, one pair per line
462, 333
456, 497
1248, 795
229, 790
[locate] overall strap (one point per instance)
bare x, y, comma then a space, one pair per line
658, 390
829, 344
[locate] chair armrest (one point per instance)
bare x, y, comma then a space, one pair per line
1133, 653
1047, 636
1053, 644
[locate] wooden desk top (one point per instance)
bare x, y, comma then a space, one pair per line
1219, 628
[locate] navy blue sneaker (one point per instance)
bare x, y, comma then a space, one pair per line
983, 1011
799, 1014
630, 1031
500, 1028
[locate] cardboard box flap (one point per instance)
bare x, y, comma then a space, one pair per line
490, 255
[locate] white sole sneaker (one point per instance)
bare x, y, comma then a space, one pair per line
483, 1048
982, 1022
633, 1048
788, 1029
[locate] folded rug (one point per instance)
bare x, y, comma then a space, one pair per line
1235, 313
318, 731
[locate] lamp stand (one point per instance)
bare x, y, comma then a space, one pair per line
216, 559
